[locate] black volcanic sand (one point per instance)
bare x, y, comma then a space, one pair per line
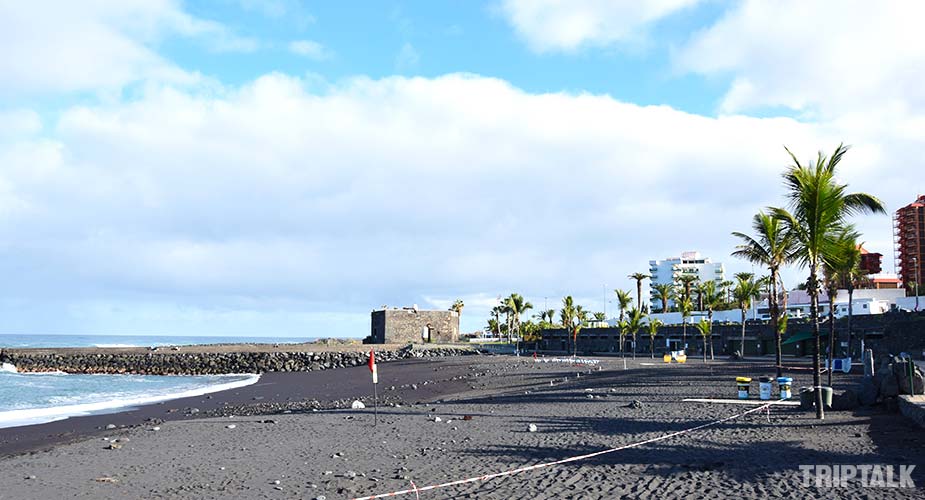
339, 454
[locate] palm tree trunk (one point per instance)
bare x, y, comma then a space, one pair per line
639, 295
704, 348
814, 312
710, 319
772, 306
683, 334
831, 337
652, 347
634, 346
742, 343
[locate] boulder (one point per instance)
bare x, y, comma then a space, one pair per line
845, 400
888, 386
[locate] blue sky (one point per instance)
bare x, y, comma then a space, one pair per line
277, 167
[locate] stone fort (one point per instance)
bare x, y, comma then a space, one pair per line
410, 324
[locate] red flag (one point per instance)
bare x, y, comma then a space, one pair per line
372, 366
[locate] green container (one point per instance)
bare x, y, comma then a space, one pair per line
808, 398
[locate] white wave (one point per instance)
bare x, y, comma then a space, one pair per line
8, 368
32, 416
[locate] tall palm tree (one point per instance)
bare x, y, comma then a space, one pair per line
838, 268
639, 277
624, 299
629, 326
712, 298
772, 247
653, 327
818, 209
497, 311
746, 290
567, 317
550, 315
517, 306
686, 282
663, 290
706, 330
686, 307
458, 306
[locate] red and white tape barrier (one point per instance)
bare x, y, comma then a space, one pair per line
486, 477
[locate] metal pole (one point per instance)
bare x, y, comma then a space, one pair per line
375, 404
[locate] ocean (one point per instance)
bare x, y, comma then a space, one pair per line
33, 398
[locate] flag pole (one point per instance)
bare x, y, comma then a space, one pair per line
375, 371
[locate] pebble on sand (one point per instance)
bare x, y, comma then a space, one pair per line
358, 405
230, 426
532, 428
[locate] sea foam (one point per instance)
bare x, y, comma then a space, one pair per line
32, 416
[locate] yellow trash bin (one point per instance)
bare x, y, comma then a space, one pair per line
667, 358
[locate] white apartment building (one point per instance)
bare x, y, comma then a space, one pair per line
689, 263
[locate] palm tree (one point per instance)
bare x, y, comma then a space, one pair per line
712, 298
654, 324
773, 248
686, 282
581, 315
686, 307
664, 293
838, 267
497, 311
567, 316
629, 326
599, 316
458, 306
706, 330
550, 315
639, 277
623, 301
746, 290
819, 207
517, 306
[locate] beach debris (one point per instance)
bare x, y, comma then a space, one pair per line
321, 497
29, 477
268, 421
110, 427
350, 474
327, 473
532, 428
105, 480
358, 405
414, 386
114, 446
221, 468
635, 404
155, 428
230, 426
276, 481
278, 488
467, 417
438, 419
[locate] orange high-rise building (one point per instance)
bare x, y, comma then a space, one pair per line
909, 235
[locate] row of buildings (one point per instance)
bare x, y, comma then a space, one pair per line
881, 293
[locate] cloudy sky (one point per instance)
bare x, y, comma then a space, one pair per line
281, 168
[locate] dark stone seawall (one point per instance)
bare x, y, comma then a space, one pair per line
156, 363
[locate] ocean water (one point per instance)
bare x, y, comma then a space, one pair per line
33, 398
134, 340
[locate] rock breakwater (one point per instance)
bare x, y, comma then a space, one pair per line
186, 363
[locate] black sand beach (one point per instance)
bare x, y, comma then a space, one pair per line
339, 454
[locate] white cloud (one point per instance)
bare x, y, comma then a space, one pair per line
288, 203
566, 25
309, 49
822, 57
98, 46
